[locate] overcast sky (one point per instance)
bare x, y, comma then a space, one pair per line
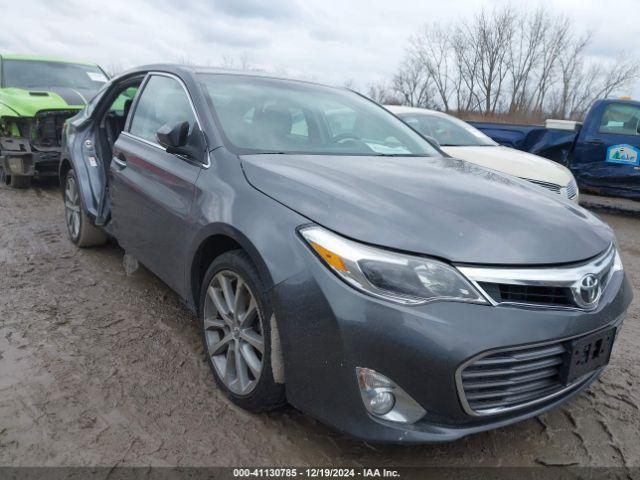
328, 40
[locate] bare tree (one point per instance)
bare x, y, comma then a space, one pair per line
524, 53
467, 62
431, 47
491, 35
240, 62
413, 83
553, 43
503, 61
583, 82
381, 93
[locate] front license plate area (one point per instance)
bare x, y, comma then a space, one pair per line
588, 354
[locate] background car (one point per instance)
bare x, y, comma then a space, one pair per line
37, 95
461, 140
603, 152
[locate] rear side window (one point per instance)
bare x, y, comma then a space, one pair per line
163, 101
620, 118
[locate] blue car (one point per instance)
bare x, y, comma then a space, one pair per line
603, 153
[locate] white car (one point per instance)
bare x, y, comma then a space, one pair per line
460, 140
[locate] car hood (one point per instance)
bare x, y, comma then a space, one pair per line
27, 103
513, 162
436, 206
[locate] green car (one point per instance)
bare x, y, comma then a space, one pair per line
37, 95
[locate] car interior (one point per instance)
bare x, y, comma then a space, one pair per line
114, 119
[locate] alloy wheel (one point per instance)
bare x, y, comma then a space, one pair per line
233, 332
72, 207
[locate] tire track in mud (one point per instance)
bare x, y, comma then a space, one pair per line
104, 368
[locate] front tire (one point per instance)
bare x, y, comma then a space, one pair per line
235, 323
79, 227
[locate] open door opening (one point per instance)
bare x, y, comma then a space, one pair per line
110, 123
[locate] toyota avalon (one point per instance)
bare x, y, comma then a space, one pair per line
339, 261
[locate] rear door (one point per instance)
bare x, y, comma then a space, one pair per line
151, 190
607, 155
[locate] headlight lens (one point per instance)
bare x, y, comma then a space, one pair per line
15, 165
397, 277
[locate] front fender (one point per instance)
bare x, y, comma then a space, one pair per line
264, 228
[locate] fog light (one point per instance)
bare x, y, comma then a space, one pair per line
386, 400
381, 402
15, 165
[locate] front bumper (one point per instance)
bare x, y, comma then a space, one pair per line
330, 329
18, 157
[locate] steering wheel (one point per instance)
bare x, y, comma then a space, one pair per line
341, 137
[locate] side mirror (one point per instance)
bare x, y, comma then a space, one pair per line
173, 136
177, 140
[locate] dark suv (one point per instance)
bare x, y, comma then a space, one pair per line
340, 262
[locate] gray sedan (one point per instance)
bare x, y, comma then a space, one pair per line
339, 261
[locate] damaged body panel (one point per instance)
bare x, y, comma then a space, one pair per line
37, 96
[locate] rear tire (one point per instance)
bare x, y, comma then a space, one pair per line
79, 227
19, 181
236, 334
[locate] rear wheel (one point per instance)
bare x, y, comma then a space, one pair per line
235, 319
81, 231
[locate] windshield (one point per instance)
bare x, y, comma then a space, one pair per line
266, 115
30, 74
448, 131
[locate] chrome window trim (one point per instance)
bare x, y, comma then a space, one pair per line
576, 383
144, 140
150, 74
568, 276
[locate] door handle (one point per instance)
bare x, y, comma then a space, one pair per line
120, 161
595, 141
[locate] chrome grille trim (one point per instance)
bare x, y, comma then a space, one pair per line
603, 267
548, 185
570, 190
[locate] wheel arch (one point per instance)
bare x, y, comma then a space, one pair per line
63, 169
84, 184
213, 241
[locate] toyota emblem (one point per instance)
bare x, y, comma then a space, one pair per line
589, 289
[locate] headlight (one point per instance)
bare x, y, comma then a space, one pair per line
397, 277
16, 166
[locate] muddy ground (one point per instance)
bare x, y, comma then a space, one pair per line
101, 368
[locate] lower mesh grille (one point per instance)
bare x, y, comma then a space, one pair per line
512, 378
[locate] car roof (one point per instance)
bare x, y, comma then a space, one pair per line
178, 69
9, 56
